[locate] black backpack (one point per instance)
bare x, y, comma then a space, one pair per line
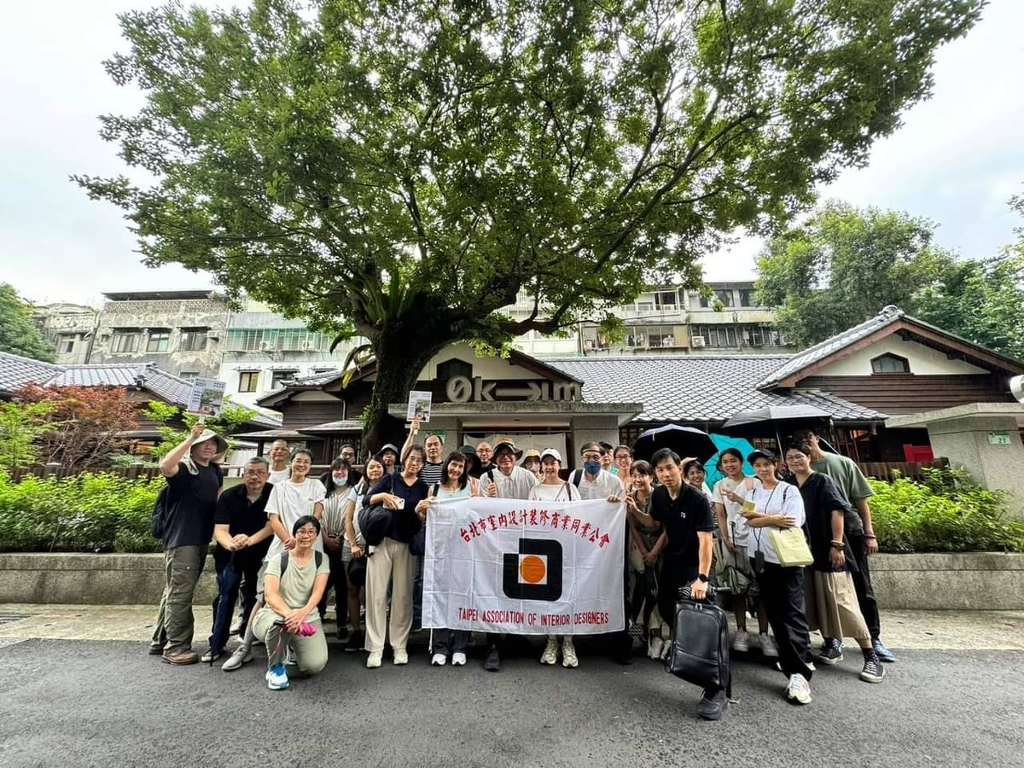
160, 512
318, 558
700, 644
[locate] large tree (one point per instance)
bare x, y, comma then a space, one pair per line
408, 168
844, 264
18, 334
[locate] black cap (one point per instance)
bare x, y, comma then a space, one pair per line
761, 453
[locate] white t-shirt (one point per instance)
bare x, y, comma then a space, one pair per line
278, 476
604, 485
738, 528
516, 485
560, 492
290, 501
783, 499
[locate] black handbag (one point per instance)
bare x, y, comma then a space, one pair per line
700, 644
374, 521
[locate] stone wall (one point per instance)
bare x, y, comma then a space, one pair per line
972, 581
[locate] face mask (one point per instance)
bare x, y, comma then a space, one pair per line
340, 480
592, 467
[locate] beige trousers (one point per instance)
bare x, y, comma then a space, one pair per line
390, 562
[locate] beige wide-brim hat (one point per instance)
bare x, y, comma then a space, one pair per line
209, 434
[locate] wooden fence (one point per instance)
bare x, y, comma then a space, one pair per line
912, 470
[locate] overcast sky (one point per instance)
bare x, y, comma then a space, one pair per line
956, 160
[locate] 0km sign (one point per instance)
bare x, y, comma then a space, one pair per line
526, 567
462, 389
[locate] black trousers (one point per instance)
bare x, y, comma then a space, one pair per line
782, 593
671, 578
338, 580
246, 571
449, 641
862, 584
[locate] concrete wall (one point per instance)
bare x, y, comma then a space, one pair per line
971, 581
988, 581
83, 579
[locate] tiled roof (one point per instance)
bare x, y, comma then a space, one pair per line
16, 371
831, 345
697, 388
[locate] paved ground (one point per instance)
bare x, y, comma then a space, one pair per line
104, 702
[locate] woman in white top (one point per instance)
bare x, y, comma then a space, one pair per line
553, 488
774, 504
339, 496
694, 473
455, 484
299, 496
734, 532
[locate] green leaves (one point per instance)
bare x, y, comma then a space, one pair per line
948, 513
18, 334
83, 513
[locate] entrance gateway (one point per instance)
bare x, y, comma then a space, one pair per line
537, 405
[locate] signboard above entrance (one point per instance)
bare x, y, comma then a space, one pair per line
462, 389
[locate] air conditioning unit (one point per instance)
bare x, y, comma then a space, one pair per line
213, 336
697, 342
308, 346
265, 346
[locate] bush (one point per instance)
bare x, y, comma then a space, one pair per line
90, 512
946, 513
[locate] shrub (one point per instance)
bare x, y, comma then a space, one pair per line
89, 512
946, 513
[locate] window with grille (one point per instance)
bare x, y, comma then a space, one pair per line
193, 340
889, 363
248, 381
158, 341
124, 341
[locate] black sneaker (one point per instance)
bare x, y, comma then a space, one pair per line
831, 653
343, 634
883, 653
712, 707
873, 671
493, 662
354, 643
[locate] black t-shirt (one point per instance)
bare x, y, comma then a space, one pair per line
404, 522
191, 503
682, 518
481, 470
243, 517
821, 496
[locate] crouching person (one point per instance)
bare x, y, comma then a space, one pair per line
292, 587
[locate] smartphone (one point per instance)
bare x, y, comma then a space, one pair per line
401, 503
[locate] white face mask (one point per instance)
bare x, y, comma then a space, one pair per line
339, 481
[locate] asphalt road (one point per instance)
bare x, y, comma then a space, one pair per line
72, 703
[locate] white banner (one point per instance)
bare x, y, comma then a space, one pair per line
525, 567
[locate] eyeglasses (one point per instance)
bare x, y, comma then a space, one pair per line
255, 473
306, 532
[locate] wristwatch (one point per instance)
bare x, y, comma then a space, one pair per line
838, 545
703, 577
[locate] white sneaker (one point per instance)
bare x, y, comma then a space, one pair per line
240, 656
798, 690
458, 659
768, 647
277, 678
741, 641
209, 657
550, 655
373, 660
569, 659
401, 657
656, 647
439, 660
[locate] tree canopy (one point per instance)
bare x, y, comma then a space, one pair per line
18, 335
405, 170
844, 264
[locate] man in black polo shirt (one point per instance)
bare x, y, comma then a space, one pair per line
685, 515
243, 535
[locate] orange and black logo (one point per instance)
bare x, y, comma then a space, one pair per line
535, 572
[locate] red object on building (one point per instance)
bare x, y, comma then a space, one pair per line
918, 453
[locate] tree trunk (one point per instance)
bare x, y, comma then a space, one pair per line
400, 353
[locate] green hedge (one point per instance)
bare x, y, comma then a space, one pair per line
87, 513
106, 513
947, 513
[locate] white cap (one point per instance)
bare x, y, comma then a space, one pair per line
552, 453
